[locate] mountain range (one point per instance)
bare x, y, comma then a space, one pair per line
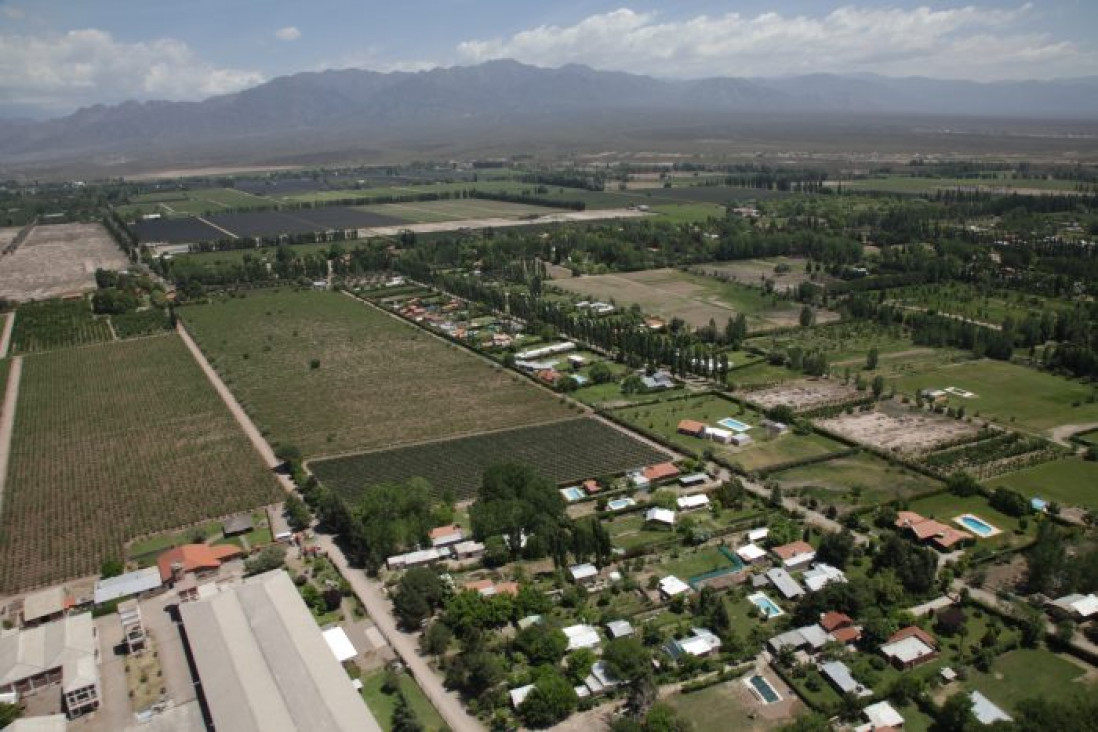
334, 109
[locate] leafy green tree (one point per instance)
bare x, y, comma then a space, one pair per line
871, 359
627, 659
601, 373
956, 714
436, 639
404, 719
550, 701
270, 557
419, 592
836, 548
542, 645
111, 568
297, 513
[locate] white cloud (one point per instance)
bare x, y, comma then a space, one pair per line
12, 13
961, 42
61, 72
289, 33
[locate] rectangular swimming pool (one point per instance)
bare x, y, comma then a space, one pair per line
572, 493
976, 525
619, 503
764, 603
734, 424
762, 687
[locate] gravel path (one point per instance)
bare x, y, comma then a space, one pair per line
7, 420
5, 339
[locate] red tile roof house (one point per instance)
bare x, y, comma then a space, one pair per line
591, 486
691, 427
840, 626
910, 647
197, 559
446, 535
795, 553
660, 472
929, 531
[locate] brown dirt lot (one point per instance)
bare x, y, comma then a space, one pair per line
898, 430
803, 395
58, 260
754, 271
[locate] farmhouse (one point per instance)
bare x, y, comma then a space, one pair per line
840, 626
838, 673
750, 553
127, 585
700, 643
200, 560
581, 636
822, 574
662, 471
1077, 607
795, 554
467, 550
671, 586
663, 516
658, 381
263, 664
929, 531
65, 651
692, 503
910, 647
691, 427
785, 583
441, 536
880, 716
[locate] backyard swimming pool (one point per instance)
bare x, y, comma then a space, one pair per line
619, 503
734, 424
764, 603
976, 525
763, 689
572, 493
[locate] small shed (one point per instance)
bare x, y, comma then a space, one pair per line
236, 525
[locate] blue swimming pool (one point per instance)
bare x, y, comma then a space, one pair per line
763, 688
764, 603
619, 503
977, 525
734, 424
572, 494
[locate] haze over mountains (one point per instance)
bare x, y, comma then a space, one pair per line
334, 108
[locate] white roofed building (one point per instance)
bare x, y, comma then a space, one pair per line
820, 575
693, 502
1079, 607
751, 553
65, 651
660, 516
671, 586
880, 716
702, 642
581, 636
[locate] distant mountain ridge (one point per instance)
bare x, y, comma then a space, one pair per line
357, 104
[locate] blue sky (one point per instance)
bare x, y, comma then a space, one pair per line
57, 55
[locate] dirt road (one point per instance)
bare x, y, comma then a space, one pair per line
5, 339
7, 420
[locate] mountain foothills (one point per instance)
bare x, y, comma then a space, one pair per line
346, 104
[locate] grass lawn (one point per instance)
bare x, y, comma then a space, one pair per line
683, 213
382, 704
1071, 481
846, 343
859, 480
945, 506
761, 372
691, 563
915, 719
1027, 673
1013, 395
332, 375
630, 532
721, 706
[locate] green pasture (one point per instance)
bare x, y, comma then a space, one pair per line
1070, 482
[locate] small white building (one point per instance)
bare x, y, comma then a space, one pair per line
414, 559
663, 516
619, 629
518, 696
821, 575
584, 574
693, 502
785, 584
672, 586
716, 434
756, 535
881, 715
637, 479
464, 550
751, 553
702, 642
1078, 607
986, 711
581, 636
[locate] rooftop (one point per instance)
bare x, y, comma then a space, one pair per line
838, 674
985, 711
130, 583
581, 636
793, 550
785, 583
43, 603
31, 651
672, 586
195, 557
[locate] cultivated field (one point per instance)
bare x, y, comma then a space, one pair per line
1069, 482
853, 481
1011, 394
898, 430
424, 212
45, 326
332, 375
805, 395
112, 442
58, 260
756, 271
570, 450
696, 299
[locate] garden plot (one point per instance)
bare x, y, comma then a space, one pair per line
58, 260
805, 395
908, 432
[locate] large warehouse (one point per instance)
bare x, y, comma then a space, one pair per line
264, 665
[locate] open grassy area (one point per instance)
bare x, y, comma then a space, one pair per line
113, 442
332, 375
1014, 395
857, 480
1071, 481
692, 563
1028, 673
683, 213
723, 706
631, 531
382, 705
845, 343
664, 419
696, 299
196, 202
969, 301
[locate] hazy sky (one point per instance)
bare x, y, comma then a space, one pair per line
57, 55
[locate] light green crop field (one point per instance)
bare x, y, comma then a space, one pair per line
113, 442
910, 184
968, 301
197, 202
663, 418
1013, 395
378, 382
1071, 482
695, 299
858, 480
726, 706
423, 212
685, 213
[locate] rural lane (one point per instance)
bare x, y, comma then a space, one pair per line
368, 591
406, 645
5, 339
7, 420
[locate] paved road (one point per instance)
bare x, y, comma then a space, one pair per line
405, 644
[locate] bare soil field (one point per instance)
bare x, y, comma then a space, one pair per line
804, 395
755, 271
58, 260
498, 223
7, 233
898, 430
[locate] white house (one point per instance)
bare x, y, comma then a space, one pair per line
881, 715
822, 574
785, 583
716, 434
619, 629
671, 586
583, 574
1079, 607
581, 636
691, 503
660, 516
750, 553
701, 643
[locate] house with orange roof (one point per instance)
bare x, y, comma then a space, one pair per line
910, 647
196, 559
691, 427
663, 471
928, 531
795, 554
446, 535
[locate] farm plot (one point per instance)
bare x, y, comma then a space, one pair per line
44, 326
332, 375
564, 451
423, 212
305, 221
696, 299
899, 430
805, 395
1069, 482
112, 442
787, 273
58, 260
854, 481
176, 231
1011, 394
